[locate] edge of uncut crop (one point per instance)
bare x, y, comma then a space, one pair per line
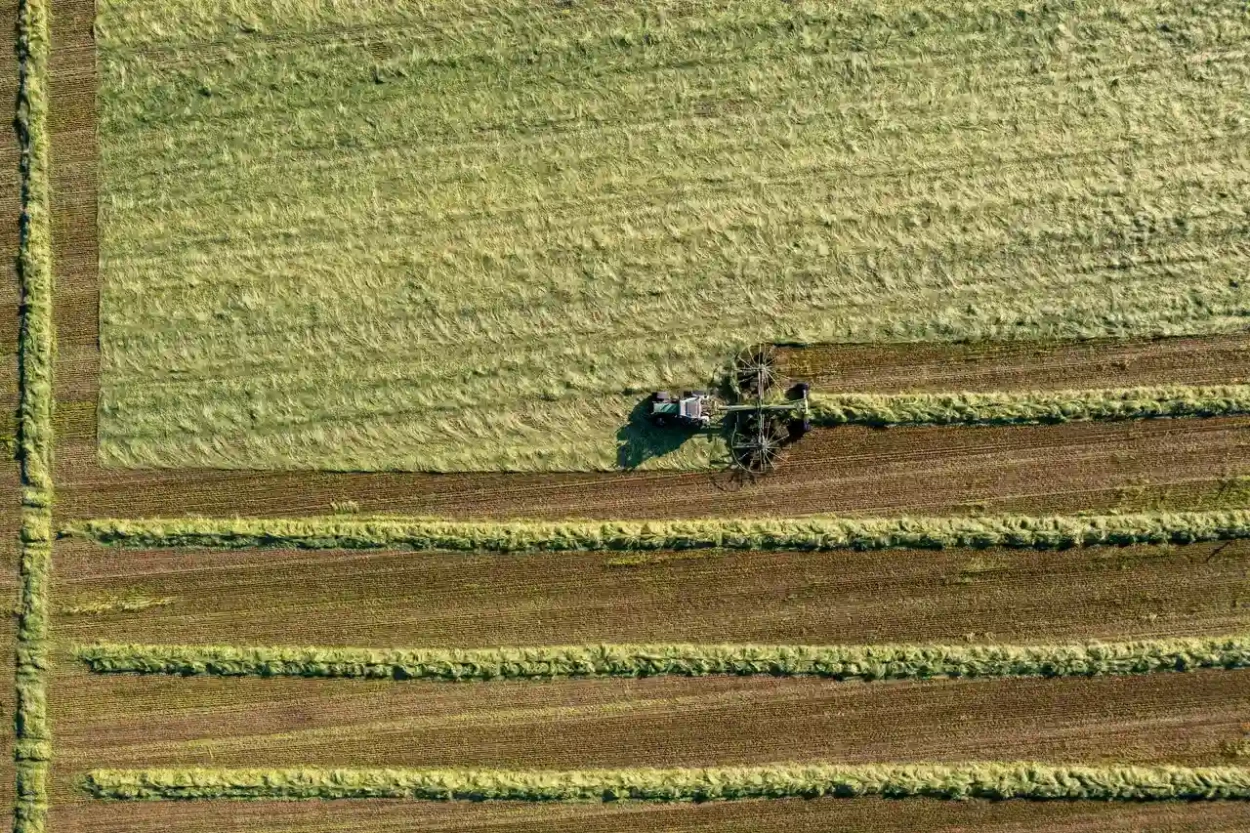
983, 780
865, 663
33, 748
788, 534
1030, 407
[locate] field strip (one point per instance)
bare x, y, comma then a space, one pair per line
852, 662
810, 533
1029, 408
962, 781
37, 346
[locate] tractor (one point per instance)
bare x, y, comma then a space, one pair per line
693, 409
759, 421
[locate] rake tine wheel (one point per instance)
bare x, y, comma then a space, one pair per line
756, 370
757, 443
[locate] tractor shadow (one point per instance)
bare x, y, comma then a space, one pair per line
638, 440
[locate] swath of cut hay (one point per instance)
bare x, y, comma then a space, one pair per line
1030, 408
33, 747
995, 781
799, 534
855, 662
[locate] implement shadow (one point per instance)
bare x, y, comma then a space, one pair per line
638, 440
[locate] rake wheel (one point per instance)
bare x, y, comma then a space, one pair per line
757, 442
755, 371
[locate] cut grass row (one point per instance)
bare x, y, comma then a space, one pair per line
854, 662
997, 781
811, 533
33, 750
1029, 408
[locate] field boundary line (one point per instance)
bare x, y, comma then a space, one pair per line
33, 740
996, 781
1030, 407
850, 662
791, 534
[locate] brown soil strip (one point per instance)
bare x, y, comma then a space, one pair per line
1193, 719
1015, 366
10, 324
10, 212
950, 470
850, 470
789, 816
458, 600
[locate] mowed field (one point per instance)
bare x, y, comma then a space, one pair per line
472, 236
458, 600
326, 228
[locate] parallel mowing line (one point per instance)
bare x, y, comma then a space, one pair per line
954, 781
1035, 407
810, 533
854, 662
33, 749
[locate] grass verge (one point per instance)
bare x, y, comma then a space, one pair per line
955, 781
33, 750
853, 662
1032, 408
812, 533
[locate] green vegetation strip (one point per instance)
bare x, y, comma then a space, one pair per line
960, 781
853, 662
33, 747
1029, 408
812, 533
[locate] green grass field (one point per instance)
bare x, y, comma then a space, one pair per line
469, 236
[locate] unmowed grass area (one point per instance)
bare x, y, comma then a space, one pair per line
471, 236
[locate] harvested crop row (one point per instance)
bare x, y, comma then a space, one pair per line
814, 533
37, 345
971, 780
1029, 408
854, 662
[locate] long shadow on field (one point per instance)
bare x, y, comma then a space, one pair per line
638, 440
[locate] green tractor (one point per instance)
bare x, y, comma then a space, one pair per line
693, 409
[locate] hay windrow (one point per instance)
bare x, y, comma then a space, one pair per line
995, 781
1029, 408
855, 662
809, 533
33, 750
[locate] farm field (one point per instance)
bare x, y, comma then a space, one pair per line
475, 236
458, 600
785, 815
292, 244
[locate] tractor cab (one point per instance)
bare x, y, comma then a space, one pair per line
692, 409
